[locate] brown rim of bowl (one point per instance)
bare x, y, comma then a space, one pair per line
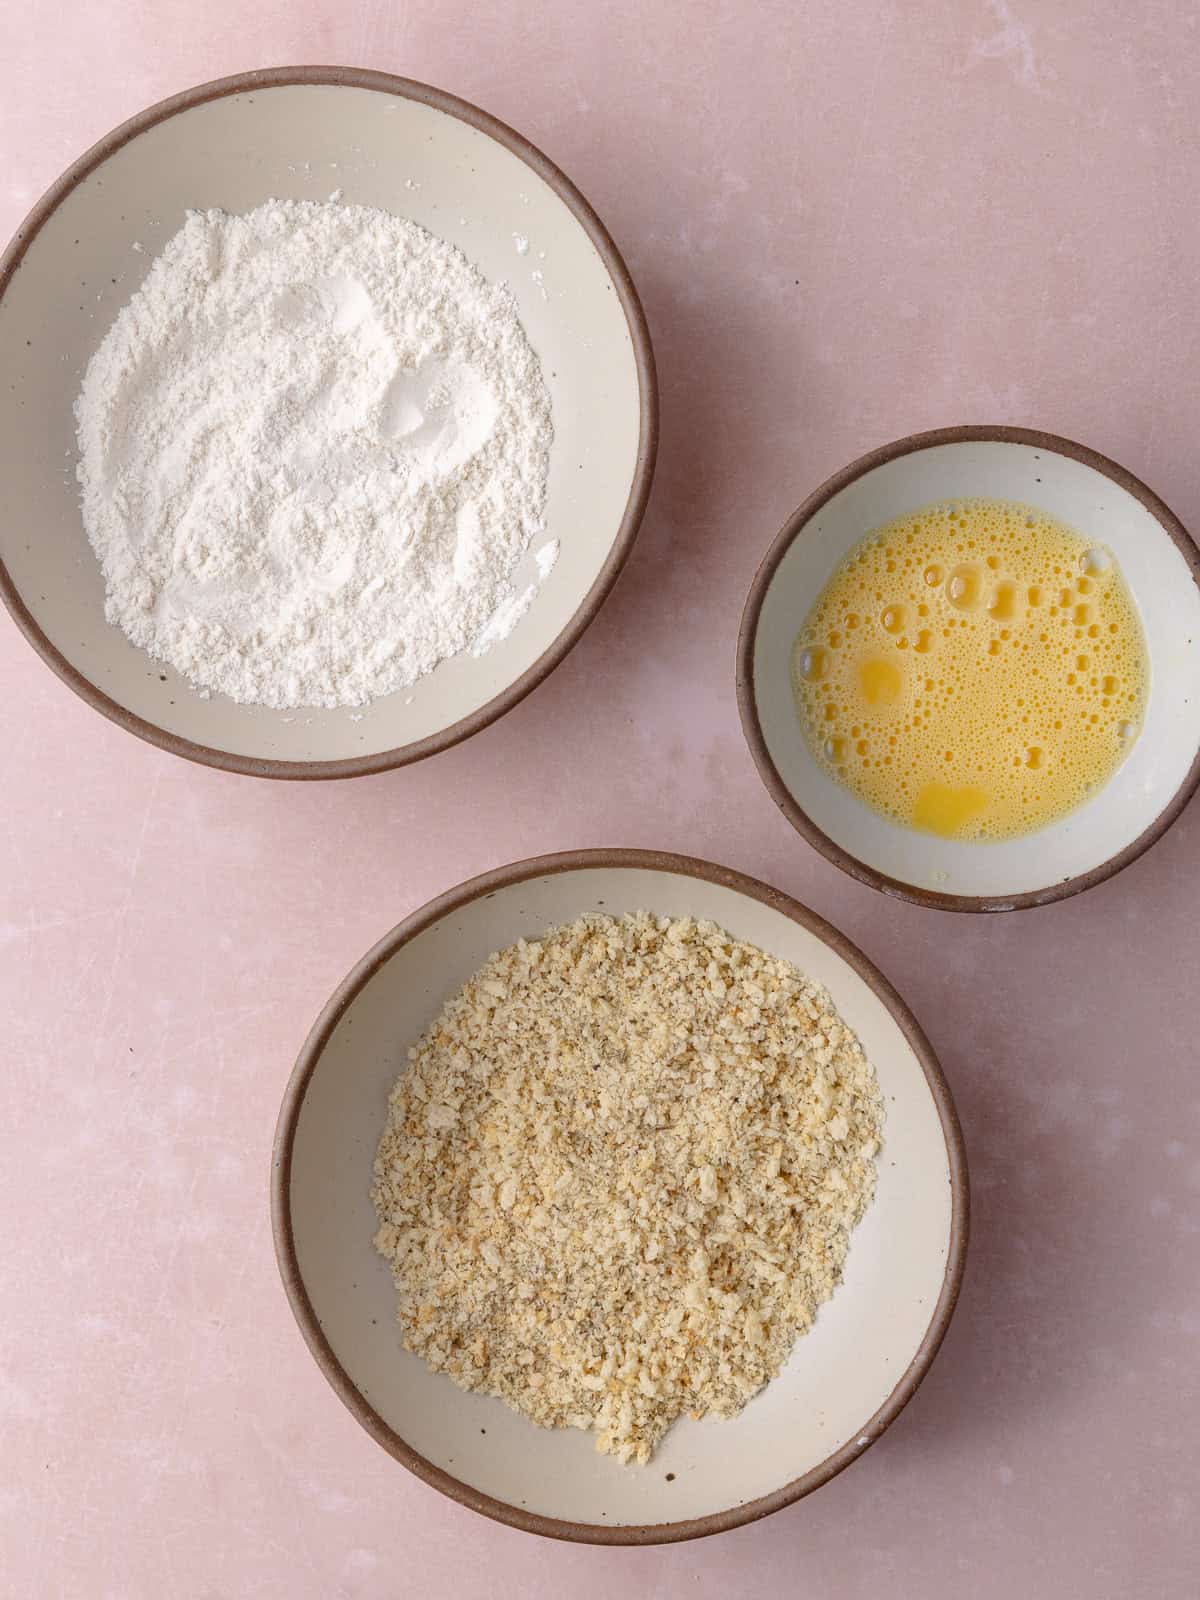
1053, 444
639, 492
285, 1248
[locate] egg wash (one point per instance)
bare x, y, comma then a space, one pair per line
974, 669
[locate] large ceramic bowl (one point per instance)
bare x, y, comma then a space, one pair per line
1106, 504
301, 133
847, 1379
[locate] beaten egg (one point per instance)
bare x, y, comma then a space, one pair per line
975, 669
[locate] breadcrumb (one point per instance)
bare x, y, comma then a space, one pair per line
620, 1173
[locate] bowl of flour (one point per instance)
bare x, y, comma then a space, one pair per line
331, 421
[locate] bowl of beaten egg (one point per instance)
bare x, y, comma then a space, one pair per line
969, 668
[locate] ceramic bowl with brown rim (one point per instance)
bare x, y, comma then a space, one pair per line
1104, 503
846, 1380
301, 133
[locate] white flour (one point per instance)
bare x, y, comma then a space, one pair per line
313, 452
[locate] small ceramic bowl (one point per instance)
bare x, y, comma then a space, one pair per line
1089, 493
847, 1379
302, 133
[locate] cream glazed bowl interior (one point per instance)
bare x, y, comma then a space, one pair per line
1105, 504
846, 1380
303, 133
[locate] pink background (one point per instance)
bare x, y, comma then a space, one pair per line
848, 221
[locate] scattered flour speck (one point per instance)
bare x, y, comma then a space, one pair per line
545, 558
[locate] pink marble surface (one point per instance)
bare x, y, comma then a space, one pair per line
847, 222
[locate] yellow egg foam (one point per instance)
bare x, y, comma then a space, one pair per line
975, 669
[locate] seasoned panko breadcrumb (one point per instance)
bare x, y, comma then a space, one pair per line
620, 1173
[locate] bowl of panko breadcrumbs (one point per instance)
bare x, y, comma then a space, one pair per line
620, 1197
